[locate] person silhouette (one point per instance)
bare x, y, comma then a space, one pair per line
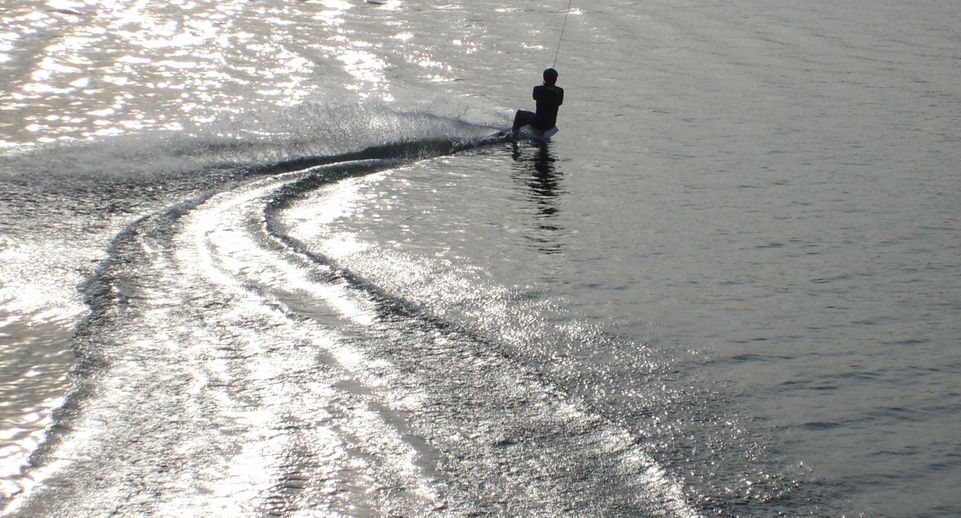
548, 97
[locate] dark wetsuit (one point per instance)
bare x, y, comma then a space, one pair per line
548, 98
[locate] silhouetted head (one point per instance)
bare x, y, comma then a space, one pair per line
550, 77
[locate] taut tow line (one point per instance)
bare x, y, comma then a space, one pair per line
561, 38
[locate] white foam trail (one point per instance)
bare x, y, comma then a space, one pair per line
637, 467
218, 243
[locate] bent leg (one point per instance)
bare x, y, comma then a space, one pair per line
522, 118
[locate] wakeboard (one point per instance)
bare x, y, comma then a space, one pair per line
527, 133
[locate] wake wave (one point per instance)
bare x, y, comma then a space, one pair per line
76, 207
229, 368
468, 377
260, 142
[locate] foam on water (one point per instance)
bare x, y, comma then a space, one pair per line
84, 193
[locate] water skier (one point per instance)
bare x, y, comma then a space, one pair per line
549, 97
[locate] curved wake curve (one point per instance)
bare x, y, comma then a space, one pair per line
636, 470
230, 369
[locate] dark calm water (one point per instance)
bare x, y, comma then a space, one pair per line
262, 258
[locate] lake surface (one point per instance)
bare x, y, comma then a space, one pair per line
264, 258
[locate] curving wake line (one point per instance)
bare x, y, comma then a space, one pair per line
233, 370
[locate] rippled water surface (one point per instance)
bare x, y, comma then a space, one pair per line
265, 258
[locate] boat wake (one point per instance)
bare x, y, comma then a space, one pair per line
228, 367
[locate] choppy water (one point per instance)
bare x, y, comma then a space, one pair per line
260, 258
